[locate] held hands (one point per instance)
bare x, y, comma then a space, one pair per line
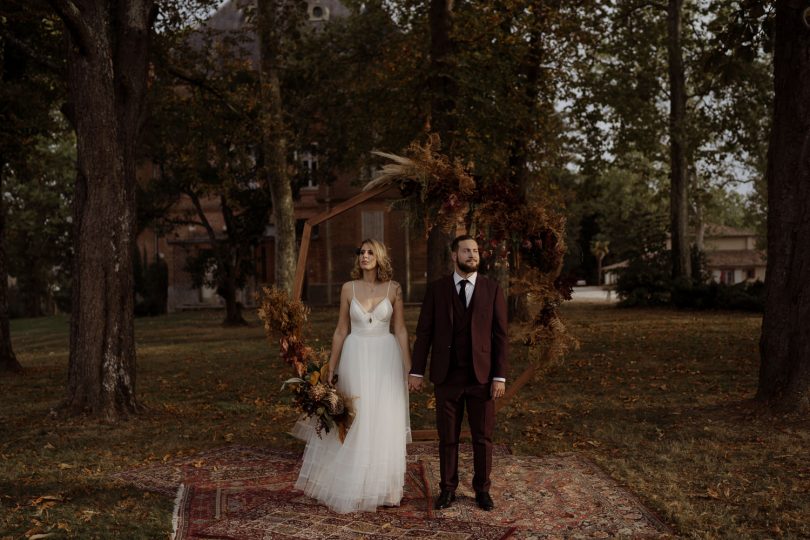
414, 383
498, 388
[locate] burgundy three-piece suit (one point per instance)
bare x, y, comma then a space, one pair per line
468, 347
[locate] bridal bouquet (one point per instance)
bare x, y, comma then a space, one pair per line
314, 395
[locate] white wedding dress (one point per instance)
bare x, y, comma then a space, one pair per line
367, 470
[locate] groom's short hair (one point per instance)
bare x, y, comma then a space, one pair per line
459, 239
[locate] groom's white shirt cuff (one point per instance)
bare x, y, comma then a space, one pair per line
493, 378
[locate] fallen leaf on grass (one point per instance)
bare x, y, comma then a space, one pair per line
46, 498
64, 466
41, 535
87, 515
595, 444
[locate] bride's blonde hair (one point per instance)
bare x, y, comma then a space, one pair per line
384, 268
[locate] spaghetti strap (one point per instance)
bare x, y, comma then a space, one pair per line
354, 295
388, 291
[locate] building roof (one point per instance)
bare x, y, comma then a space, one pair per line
735, 258
715, 230
615, 266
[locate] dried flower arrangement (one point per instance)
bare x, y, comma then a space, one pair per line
515, 236
314, 395
528, 239
434, 190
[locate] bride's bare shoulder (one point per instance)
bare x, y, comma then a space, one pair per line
347, 289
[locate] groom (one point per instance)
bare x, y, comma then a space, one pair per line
463, 324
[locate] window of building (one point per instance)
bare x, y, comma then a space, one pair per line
750, 273
308, 161
727, 277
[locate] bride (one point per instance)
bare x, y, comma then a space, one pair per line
368, 469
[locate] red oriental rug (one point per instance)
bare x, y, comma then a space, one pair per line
246, 493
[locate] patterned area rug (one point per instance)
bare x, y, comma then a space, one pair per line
246, 493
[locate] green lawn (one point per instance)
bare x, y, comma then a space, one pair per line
658, 398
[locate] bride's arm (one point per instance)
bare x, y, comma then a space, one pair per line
400, 331
342, 329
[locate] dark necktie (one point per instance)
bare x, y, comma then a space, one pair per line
462, 293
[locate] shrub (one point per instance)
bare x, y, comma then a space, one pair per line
646, 281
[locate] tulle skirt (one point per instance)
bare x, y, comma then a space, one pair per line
367, 470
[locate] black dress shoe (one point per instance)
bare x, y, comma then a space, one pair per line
484, 501
444, 500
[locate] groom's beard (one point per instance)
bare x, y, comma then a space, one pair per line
468, 267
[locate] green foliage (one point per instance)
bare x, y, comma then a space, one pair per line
36, 158
647, 281
621, 206
38, 195
356, 85
619, 109
203, 136
692, 294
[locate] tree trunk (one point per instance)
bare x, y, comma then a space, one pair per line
233, 309
274, 143
784, 374
107, 82
677, 144
442, 117
700, 224
520, 175
8, 361
599, 269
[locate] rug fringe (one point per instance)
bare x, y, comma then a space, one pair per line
178, 505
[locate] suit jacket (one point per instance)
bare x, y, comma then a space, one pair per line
434, 331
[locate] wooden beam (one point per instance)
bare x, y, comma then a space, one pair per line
513, 388
298, 285
300, 269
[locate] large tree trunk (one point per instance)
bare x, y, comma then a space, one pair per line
8, 361
442, 116
107, 81
677, 142
274, 143
784, 374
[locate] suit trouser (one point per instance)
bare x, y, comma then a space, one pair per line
458, 390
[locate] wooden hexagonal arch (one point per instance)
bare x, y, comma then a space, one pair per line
298, 285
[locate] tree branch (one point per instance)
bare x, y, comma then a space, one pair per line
195, 200
70, 14
176, 221
31, 53
201, 83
